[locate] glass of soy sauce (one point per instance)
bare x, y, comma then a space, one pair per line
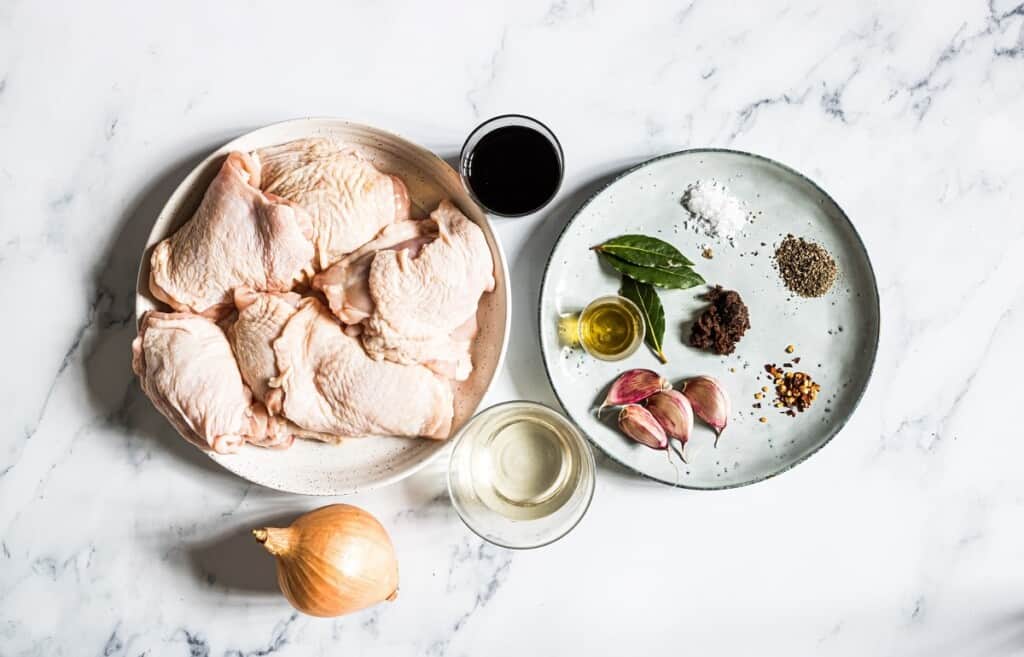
512, 165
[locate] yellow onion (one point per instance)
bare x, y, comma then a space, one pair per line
333, 561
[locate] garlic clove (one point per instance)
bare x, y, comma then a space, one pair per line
673, 412
633, 386
638, 423
709, 401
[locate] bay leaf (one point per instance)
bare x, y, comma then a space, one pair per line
647, 300
644, 251
675, 278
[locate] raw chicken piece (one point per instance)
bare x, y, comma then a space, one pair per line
261, 318
346, 285
425, 306
186, 368
332, 387
459, 364
349, 199
238, 236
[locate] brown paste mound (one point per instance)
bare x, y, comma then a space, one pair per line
722, 324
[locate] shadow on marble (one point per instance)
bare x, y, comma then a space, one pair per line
1001, 634
425, 494
1005, 635
454, 160
234, 560
111, 386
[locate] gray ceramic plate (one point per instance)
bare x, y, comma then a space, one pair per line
359, 464
836, 336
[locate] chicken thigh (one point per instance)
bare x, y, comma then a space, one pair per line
186, 368
238, 236
261, 318
424, 306
349, 199
331, 386
346, 285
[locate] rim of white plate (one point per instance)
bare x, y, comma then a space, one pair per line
834, 430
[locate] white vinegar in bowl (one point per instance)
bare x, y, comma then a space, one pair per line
521, 475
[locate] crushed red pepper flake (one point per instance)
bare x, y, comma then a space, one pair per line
795, 391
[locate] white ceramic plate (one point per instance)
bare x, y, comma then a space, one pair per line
836, 336
355, 465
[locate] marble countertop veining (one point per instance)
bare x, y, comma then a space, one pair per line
903, 537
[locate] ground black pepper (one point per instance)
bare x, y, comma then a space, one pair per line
805, 267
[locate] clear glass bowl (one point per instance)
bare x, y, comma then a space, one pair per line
521, 475
496, 123
640, 328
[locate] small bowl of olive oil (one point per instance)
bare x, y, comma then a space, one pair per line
611, 327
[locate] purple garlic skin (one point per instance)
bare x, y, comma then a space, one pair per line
709, 402
673, 412
634, 386
638, 423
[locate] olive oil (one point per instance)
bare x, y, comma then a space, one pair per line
569, 330
611, 328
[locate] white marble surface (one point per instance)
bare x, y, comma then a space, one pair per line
903, 537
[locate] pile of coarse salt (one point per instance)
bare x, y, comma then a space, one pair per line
714, 211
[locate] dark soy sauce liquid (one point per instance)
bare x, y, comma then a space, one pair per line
514, 170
